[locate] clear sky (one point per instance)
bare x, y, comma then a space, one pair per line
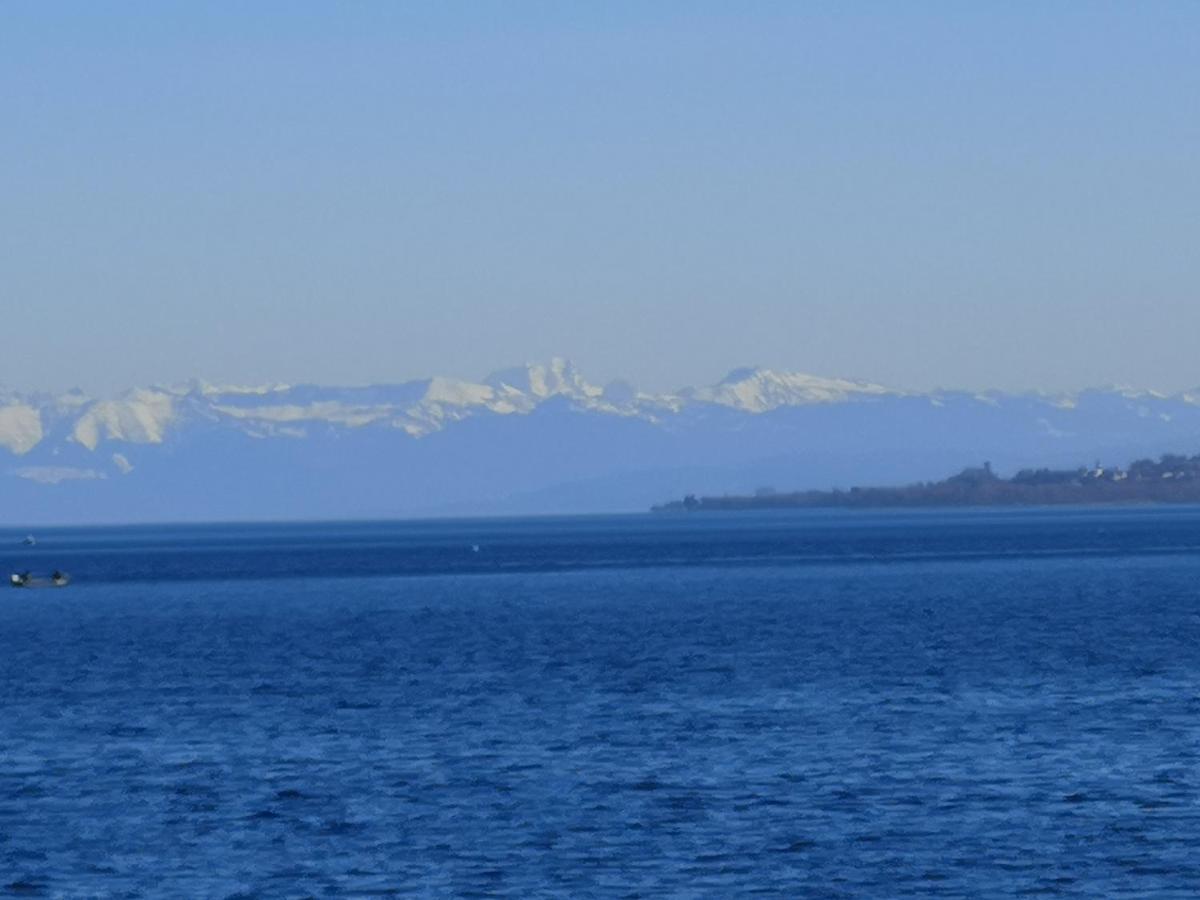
924, 194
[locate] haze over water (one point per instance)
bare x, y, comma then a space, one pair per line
827, 704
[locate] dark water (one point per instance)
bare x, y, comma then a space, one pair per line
837, 704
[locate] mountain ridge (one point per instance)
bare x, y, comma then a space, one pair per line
533, 438
141, 414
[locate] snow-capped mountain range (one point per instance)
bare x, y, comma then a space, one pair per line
536, 438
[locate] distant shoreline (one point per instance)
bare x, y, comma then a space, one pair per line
1172, 479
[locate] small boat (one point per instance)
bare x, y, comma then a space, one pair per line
26, 580
29, 541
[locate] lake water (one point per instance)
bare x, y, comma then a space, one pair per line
811, 704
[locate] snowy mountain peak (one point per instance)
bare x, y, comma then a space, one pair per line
452, 392
202, 388
760, 390
20, 427
140, 416
558, 377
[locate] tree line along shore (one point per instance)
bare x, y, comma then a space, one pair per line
1171, 478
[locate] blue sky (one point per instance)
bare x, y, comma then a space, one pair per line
923, 194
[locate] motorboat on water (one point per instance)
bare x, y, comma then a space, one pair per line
27, 580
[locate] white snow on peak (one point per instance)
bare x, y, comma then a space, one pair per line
207, 389
20, 427
453, 392
760, 390
558, 377
417, 407
332, 411
141, 416
1132, 393
57, 474
446, 400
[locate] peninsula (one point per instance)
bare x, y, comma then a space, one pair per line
1170, 479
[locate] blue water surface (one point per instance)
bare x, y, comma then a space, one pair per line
827, 704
